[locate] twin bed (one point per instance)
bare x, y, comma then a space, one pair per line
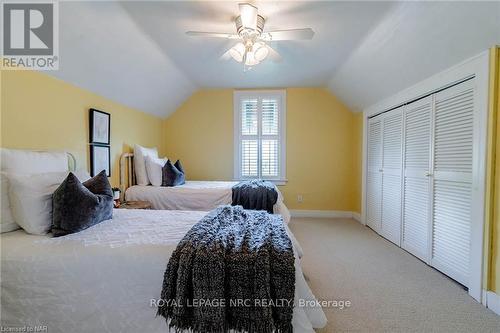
193, 195
108, 277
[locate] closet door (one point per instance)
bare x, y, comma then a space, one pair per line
452, 180
374, 174
392, 130
416, 181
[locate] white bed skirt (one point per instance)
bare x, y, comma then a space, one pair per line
194, 195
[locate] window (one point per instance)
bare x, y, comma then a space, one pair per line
259, 132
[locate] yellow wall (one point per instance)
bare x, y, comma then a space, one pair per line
200, 133
41, 112
323, 136
323, 145
493, 187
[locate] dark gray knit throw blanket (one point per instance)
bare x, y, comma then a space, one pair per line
255, 194
234, 270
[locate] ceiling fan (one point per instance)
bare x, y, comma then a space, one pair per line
252, 48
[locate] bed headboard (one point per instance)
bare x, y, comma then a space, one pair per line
71, 161
12, 153
127, 172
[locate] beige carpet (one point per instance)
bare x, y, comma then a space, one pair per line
390, 290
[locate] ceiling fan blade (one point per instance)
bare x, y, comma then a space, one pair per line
248, 15
291, 34
212, 34
226, 55
273, 54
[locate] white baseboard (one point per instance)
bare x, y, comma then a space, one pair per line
326, 214
356, 216
493, 302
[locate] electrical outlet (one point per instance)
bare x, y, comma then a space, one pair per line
300, 198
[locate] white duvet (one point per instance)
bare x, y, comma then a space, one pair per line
104, 278
193, 195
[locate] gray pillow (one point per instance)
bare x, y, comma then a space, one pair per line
179, 167
172, 174
77, 206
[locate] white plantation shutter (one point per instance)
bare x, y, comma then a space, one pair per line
259, 134
270, 138
270, 158
270, 117
249, 158
249, 133
249, 119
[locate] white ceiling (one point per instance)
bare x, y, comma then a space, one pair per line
412, 42
137, 53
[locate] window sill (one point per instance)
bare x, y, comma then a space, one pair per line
279, 182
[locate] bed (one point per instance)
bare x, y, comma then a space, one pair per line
193, 195
105, 278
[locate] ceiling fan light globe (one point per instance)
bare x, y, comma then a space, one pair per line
251, 63
236, 55
237, 52
251, 60
261, 52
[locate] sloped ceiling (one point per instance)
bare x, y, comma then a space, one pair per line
412, 42
137, 53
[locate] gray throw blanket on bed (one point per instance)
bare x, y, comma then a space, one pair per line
255, 194
234, 270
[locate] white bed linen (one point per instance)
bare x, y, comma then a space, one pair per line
194, 195
103, 278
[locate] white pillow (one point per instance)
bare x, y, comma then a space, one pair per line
26, 161
154, 169
31, 198
140, 154
7, 222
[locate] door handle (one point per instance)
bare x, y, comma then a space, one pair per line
380, 170
428, 174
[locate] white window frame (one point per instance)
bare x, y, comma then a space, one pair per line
260, 94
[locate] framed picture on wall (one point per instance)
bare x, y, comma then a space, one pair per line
99, 126
100, 159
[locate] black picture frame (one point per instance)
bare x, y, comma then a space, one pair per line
94, 136
96, 155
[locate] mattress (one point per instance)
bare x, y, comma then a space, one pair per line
105, 278
193, 195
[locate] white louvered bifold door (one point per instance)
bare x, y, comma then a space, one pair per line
392, 131
416, 180
374, 174
452, 180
